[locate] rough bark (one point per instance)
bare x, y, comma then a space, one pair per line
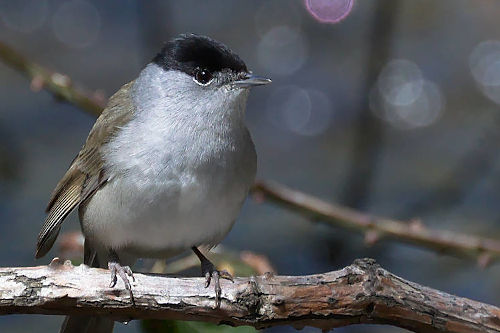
360, 293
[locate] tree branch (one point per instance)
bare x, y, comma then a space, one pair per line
357, 294
484, 250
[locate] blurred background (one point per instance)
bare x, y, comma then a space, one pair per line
391, 107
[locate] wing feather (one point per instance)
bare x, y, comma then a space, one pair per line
86, 173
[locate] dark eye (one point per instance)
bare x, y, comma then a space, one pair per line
203, 76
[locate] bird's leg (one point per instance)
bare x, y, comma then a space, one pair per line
210, 272
123, 271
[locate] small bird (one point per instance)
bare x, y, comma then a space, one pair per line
165, 168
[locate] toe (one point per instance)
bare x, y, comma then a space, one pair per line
218, 290
226, 275
112, 269
123, 276
129, 272
208, 278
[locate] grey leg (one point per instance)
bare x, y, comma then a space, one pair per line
123, 271
209, 271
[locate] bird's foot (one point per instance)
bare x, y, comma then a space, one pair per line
124, 272
211, 273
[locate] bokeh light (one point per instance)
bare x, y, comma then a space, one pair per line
400, 82
24, 15
76, 23
403, 98
282, 50
305, 112
484, 64
329, 11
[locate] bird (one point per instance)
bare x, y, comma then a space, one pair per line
165, 168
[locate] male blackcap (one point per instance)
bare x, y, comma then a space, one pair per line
165, 168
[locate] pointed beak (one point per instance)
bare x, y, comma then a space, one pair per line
251, 81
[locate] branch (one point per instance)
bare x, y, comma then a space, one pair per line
484, 250
362, 293
58, 84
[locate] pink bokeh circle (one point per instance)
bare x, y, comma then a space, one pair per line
329, 11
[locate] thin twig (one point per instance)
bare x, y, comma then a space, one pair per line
484, 250
58, 84
362, 293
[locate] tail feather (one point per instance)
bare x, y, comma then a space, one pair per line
87, 324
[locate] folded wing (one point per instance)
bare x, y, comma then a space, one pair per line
86, 173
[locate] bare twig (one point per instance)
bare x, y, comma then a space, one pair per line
58, 84
374, 228
360, 293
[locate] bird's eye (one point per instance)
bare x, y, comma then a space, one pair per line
203, 76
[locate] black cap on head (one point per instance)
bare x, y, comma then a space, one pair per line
188, 52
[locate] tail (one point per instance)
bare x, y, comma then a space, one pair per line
86, 323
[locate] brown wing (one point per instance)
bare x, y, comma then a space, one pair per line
86, 173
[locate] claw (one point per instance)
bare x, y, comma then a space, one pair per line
208, 277
112, 268
123, 272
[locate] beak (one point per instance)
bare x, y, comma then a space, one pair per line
251, 81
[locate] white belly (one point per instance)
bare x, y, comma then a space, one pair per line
157, 219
